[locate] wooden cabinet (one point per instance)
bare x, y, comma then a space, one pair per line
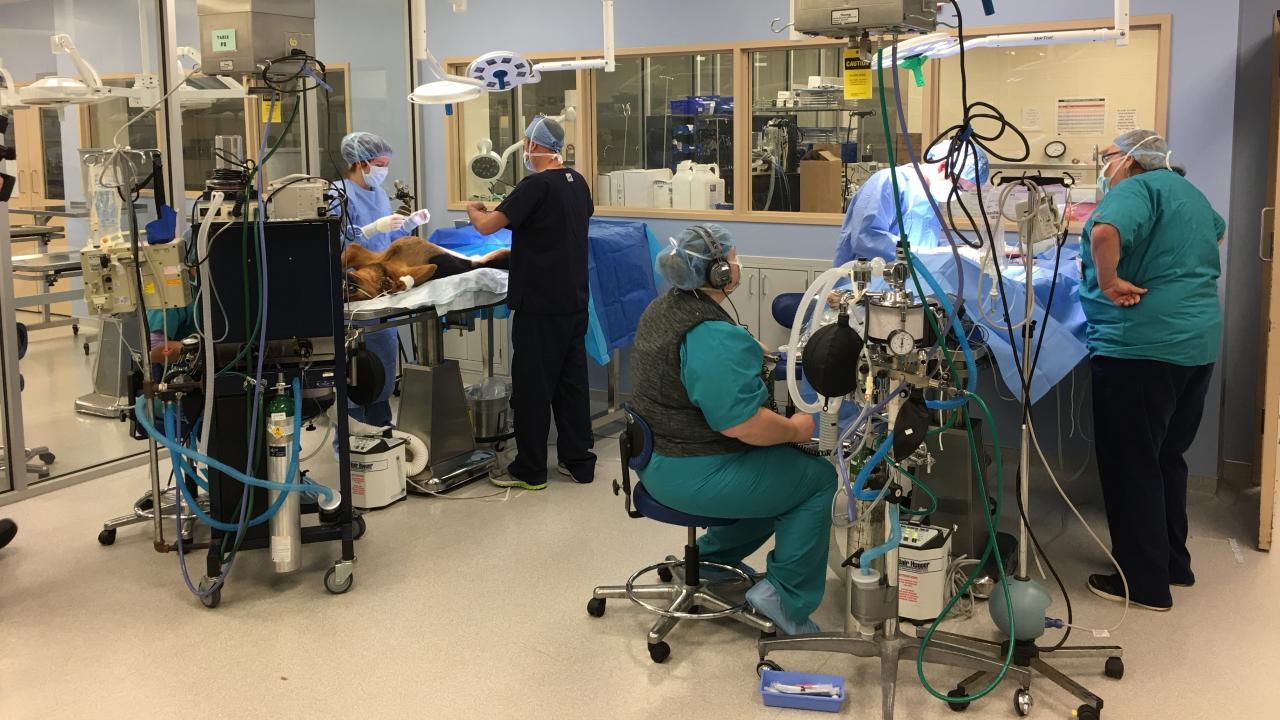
763, 280
35, 134
470, 348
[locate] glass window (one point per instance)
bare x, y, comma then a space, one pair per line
200, 125
493, 130
1077, 96
664, 132
808, 144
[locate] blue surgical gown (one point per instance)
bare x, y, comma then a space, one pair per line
364, 207
870, 227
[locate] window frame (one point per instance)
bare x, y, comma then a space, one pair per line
743, 92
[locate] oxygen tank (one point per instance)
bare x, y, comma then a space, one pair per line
285, 525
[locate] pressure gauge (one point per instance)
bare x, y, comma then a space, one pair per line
901, 343
1055, 149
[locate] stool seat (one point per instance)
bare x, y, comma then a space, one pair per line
655, 510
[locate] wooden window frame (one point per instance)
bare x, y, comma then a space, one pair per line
742, 91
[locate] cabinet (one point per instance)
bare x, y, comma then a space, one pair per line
763, 280
469, 348
36, 136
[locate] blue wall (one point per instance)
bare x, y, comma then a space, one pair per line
1200, 80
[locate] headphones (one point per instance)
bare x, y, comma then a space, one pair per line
719, 271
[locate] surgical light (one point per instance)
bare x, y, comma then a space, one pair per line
62, 90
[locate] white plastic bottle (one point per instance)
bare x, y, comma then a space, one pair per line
682, 186
706, 187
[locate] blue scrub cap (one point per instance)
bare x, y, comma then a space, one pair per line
546, 132
1148, 149
359, 146
975, 165
684, 262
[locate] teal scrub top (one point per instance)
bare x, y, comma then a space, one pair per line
179, 323
720, 367
1169, 237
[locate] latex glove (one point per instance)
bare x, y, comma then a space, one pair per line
390, 223
421, 217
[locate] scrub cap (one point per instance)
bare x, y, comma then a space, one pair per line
546, 132
975, 165
359, 146
1148, 149
684, 263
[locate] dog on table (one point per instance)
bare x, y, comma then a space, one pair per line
408, 263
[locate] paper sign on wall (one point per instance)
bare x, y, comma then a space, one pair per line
1030, 118
1082, 116
857, 76
1126, 120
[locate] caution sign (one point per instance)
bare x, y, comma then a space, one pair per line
857, 76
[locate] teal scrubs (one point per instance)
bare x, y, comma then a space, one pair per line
771, 490
1169, 237
173, 324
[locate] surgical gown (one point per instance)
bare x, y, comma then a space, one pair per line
769, 489
364, 207
870, 226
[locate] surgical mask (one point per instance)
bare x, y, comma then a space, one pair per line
374, 176
528, 158
1104, 181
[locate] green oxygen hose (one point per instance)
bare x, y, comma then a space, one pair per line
973, 450
916, 483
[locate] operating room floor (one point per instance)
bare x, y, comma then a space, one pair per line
476, 609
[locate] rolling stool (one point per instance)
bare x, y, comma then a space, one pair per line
682, 583
42, 454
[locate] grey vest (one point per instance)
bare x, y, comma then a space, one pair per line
679, 427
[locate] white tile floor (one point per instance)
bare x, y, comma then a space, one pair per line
476, 609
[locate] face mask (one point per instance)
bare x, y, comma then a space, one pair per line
374, 176
1104, 182
529, 156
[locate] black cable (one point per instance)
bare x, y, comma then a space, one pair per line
275, 74
962, 148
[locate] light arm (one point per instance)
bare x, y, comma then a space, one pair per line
61, 44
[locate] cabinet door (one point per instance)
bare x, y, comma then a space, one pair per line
772, 284
746, 301
1268, 451
23, 128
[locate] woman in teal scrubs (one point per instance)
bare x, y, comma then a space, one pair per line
1150, 293
718, 450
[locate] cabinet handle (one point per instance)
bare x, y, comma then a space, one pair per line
751, 284
35, 182
764, 284
1264, 232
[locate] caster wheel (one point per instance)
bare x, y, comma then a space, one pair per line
1086, 712
107, 537
333, 585
86, 349
213, 599
957, 706
664, 574
1022, 703
659, 651
1115, 668
47, 458
358, 528
75, 330
767, 665
595, 607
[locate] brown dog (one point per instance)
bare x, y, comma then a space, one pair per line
371, 274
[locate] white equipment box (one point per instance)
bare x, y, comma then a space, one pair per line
378, 471
923, 558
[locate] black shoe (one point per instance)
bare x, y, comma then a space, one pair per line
8, 529
1183, 582
564, 470
1111, 588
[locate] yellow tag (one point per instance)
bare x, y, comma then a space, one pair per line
173, 282
277, 116
857, 76
149, 288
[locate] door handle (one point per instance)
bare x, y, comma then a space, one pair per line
1264, 232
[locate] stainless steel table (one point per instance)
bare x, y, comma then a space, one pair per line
47, 269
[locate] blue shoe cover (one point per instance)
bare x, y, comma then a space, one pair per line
764, 598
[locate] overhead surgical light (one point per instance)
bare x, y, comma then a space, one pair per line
501, 70
60, 90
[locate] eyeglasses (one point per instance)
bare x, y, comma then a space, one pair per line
1106, 158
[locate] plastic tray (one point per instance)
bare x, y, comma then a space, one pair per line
801, 702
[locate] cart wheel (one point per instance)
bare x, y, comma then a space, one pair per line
107, 537
595, 607
47, 458
333, 586
659, 651
86, 349
75, 329
957, 706
500, 446
359, 526
767, 665
213, 599
1086, 712
1022, 702
1115, 668
664, 574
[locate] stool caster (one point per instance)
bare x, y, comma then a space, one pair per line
1086, 712
957, 706
659, 652
595, 607
1115, 668
1022, 702
767, 665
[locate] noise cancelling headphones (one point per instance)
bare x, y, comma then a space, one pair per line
719, 271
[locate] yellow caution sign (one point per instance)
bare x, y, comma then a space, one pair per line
857, 76
277, 116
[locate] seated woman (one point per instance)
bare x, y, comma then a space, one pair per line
718, 451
